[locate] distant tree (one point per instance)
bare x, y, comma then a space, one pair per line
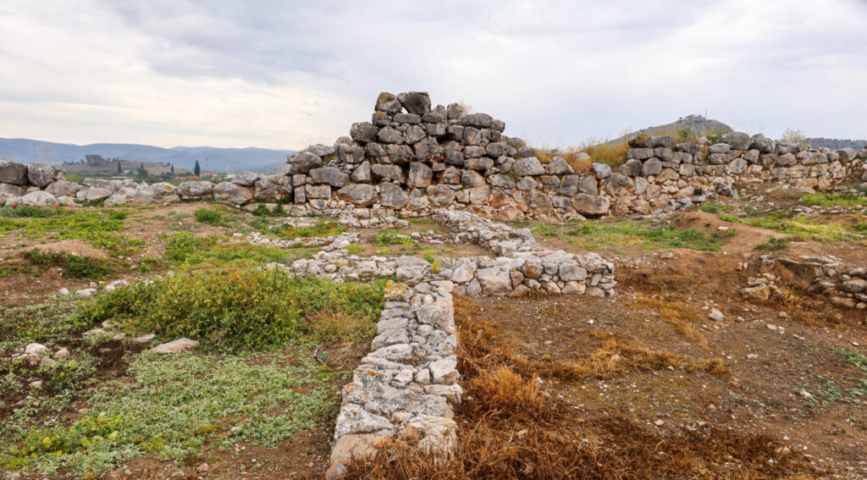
119, 171
94, 159
197, 170
141, 171
173, 169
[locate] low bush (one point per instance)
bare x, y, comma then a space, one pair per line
391, 237
774, 244
74, 266
834, 200
262, 211
235, 310
27, 211
214, 251
210, 217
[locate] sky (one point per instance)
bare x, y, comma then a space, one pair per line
285, 74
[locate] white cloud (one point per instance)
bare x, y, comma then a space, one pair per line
284, 74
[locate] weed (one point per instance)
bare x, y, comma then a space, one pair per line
383, 251
210, 217
354, 249
262, 211
391, 237
26, 211
625, 233
321, 229
86, 268
234, 310
834, 200
774, 244
215, 252
799, 226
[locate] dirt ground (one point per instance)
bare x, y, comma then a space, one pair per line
769, 351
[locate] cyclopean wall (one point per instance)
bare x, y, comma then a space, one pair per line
413, 159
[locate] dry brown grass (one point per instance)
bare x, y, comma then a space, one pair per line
511, 429
676, 316
572, 155
338, 325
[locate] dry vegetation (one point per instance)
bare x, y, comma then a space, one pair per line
512, 428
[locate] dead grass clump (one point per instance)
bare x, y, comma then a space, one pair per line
339, 325
674, 315
504, 437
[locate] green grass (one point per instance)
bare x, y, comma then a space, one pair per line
834, 200
49, 323
217, 252
74, 266
715, 208
99, 227
209, 217
774, 244
354, 249
262, 211
171, 407
26, 211
638, 234
385, 238
801, 227
235, 310
321, 229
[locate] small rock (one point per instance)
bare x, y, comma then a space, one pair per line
35, 348
716, 315
659, 423
752, 356
63, 291
175, 346
203, 468
61, 354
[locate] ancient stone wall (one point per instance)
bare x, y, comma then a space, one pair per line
413, 159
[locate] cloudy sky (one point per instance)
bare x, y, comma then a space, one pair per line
284, 74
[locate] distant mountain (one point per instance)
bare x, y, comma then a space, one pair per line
697, 124
210, 158
836, 144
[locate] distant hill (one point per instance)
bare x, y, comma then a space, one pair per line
836, 144
697, 124
218, 159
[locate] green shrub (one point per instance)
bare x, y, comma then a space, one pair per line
58, 441
263, 211
210, 217
27, 211
774, 244
234, 310
834, 200
429, 255
75, 266
321, 229
391, 237
355, 249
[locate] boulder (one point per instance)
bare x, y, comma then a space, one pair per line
360, 194
62, 188
387, 172
738, 140
95, 194
363, 132
393, 196
419, 175
478, 120
233, 193
245, 179
470, 178
495, 281
189, 190
651, 167
441, 195
42, 175
388, 103
329, 175
7, 190
273, 188
302, 162
528, 167
13, 173
559, 166
361, 174
590, 205
39, 199
415, 102
601, 170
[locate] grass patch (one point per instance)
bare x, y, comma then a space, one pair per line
99, 227
209, 217
774, 244
27, 211
235, 310
799, 226
710, 207
834, 200
74, 266
641, 234
385, 238
262, 211
216, 252
354, 249
321, 229
49, 323
171, 406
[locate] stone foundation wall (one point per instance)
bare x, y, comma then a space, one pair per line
844, 286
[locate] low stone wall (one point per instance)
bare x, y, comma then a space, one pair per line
414, 159
844, 286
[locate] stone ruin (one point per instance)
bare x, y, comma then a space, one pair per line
413, 159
